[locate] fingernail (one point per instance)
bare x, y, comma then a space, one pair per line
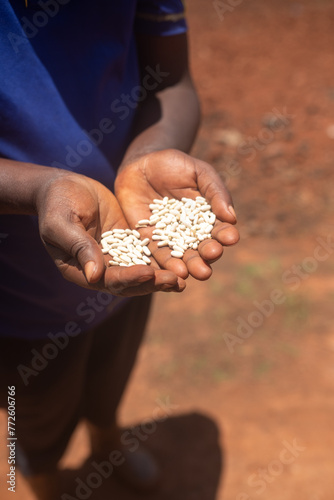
90, 268
231, 210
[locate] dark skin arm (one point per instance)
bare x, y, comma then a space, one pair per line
73, 211
169, 117
156, 163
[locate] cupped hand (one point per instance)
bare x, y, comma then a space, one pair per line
73, 212
175, 174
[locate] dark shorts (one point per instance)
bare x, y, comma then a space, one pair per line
56, 386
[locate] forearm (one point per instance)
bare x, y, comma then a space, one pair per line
20, 183
169, 120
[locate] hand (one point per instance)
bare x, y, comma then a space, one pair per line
74, 211
175, 174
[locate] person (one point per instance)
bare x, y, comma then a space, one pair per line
98, 113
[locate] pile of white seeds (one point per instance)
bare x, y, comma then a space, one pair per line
180, 224
125, 247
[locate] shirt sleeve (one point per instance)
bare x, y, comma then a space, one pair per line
161, 18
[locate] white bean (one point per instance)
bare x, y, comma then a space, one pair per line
176, 254
137, 253
163, 243
136, 233
125, 247
146, 251
182, 223
139, 262
106, 233
176, 248
179, 225
125, 258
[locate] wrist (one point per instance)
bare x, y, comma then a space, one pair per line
136, 156
139, 156
21, 185
41, 185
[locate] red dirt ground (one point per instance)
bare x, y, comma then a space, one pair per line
265, 73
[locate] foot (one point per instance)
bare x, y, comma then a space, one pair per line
139, 469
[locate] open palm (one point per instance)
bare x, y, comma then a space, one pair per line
175, 174
74, 211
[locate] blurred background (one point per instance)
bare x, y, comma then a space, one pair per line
265, 75
236, 375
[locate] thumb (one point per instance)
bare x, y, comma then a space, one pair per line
65, 240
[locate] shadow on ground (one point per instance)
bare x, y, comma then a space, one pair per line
188, 451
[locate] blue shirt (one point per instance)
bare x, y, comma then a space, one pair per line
69, 84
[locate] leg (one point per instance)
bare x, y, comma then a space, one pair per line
48, 399
112, 358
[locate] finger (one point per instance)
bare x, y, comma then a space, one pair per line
197, 267
225, 234
121, 281
140, 280
160, 283
163, 257
73, 240
210, 250
118, 278
215, 192
165, 281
